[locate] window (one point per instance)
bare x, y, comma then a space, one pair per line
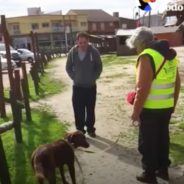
83, 24
57, 26
45, 24
16, 29
57, 37
94, 27
44, 38
124, 26
111, 24
102, 26
34, 26
57, 23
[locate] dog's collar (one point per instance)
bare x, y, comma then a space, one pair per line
70, 143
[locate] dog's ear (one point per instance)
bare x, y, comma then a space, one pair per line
69, 137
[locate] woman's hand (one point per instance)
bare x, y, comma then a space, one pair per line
135, 119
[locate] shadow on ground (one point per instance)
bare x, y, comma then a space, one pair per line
130, 156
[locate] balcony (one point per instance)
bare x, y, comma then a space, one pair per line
15, 32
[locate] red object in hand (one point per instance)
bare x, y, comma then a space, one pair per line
131, 97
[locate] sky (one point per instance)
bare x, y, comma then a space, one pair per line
126, 8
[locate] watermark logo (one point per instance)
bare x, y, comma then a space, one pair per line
175, 7
145, 5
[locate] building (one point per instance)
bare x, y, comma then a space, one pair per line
152, 20
1, 36
101, 26
34, 11
176, 9
51, 29
121, 36
99, 22
126, 23
172, 34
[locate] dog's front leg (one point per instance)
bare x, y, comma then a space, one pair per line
72, 172
62, 175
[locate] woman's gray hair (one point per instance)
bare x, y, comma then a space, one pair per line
141, 38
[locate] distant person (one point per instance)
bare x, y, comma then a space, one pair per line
84, 67
157, 91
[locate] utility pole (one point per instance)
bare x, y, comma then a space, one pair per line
149, 19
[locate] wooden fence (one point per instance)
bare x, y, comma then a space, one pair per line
18, 94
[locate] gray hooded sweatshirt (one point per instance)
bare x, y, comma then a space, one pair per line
84, 72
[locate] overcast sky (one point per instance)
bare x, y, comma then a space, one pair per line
125, 8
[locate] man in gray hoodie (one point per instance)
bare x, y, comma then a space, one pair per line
84, 67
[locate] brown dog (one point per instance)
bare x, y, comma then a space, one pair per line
46, 158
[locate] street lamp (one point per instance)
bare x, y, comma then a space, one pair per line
67, 30
134, 11
136, 14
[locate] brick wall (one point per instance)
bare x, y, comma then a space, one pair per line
175, 39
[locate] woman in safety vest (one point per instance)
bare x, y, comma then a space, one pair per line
157, 91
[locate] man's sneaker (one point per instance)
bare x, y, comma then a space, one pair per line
163, 174
147, 178
92, 134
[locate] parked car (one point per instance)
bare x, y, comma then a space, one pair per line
26, 55
14, 54
4, 63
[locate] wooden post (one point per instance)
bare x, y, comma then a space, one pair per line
7, 44
17, 86
26, 100
34, 66
36, 43
43, 56
39, 61
33, 45
15, 96
16, 118
2, 102
41, 64
24, 76
6, 126
4, 174
33, 40
35, 77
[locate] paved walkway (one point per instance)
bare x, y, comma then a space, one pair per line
113, 157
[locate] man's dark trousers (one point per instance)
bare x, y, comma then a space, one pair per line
154, 139
84, 99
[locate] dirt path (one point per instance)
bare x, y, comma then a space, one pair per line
114, 157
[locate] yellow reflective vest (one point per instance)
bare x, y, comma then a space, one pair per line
161, 94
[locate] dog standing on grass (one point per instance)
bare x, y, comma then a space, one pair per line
46, 158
